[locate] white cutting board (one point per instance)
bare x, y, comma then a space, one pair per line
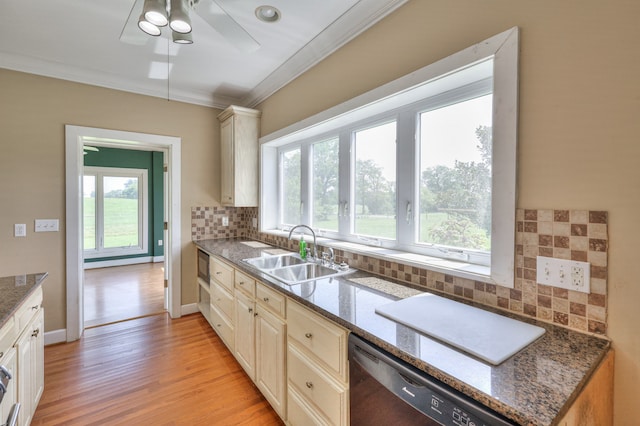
489, 336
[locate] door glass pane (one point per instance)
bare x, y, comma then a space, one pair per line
375, 181
291, 187
121, 212
455, 175
325, 185
89, 211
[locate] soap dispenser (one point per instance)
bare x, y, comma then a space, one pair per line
303, 248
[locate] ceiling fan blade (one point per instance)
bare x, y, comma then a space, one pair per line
131, 34
213, 13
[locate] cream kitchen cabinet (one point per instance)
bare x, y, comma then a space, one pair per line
22, 356
222, 309
270, 328
30, 351
239, 131
317, 375
245, 333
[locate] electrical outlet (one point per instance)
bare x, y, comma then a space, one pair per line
160, 243
569, 274
225, 221
20, 230
255, 222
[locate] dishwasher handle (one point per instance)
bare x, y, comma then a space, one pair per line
12, 420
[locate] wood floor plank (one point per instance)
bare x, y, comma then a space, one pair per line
149, 371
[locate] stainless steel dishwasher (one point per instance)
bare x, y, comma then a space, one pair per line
385, 390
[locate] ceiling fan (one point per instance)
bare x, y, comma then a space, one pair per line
209, 10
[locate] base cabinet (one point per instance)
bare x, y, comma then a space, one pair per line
30, 349
9, 360
270, 358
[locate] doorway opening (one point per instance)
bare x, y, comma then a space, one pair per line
77, 138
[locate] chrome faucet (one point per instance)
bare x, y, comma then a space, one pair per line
315, 246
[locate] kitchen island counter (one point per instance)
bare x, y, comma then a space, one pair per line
16, 289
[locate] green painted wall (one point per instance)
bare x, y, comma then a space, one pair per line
154, 164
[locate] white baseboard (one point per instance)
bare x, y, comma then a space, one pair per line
191, 308
118, 262
55, 336
158, 259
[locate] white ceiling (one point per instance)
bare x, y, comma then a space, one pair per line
79, 40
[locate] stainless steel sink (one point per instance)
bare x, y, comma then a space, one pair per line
273, 262
291, 269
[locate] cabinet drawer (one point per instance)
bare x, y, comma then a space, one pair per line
326, 341
222, 327
271, 299
221, 273
245, 283
222, 300
317, 388
8, 336
28, 309
299, 413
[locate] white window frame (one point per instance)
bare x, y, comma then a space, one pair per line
143, 212
501, 51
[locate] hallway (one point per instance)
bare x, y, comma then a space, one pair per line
123, 292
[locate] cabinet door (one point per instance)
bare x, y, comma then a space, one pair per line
37, 359
25, 377
30, 352
226, 162
245, 332
270, 359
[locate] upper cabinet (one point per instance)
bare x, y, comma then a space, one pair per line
239, 128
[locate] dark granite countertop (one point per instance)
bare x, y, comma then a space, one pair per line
14, 290
534, 387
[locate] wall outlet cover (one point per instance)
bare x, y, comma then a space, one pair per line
568, 274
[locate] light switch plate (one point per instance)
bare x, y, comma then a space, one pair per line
47, 225
569, 274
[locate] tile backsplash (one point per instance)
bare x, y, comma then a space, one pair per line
564, 234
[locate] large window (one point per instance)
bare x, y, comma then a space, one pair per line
114, 211
429, 169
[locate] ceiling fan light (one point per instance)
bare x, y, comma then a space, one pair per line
182, 38
179, 20
148, 27
155, 11
268, 13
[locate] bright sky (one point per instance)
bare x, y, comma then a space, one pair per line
447, 134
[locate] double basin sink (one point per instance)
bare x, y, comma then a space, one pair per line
290, 269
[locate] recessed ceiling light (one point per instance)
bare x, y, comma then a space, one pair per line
267, 14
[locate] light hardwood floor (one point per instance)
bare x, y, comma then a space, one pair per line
122, 292
149, 371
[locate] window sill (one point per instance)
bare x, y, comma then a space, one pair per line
446, 266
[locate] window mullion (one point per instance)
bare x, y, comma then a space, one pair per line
345, 180
306, 167
408, 213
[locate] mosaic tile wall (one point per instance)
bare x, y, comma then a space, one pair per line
565, 234
206, 223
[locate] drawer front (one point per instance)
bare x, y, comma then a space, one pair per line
299, 413
8, 336
222, 327
29, 309
324, 340
318, 388
221, 273
271, 299
223, 301
245, 283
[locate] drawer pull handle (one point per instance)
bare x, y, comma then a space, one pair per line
308, 335
218, 325
218, 272
35, 332
35, 307
1, 354
250, 310
266, 299
5, 372
309, 385
241, 283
